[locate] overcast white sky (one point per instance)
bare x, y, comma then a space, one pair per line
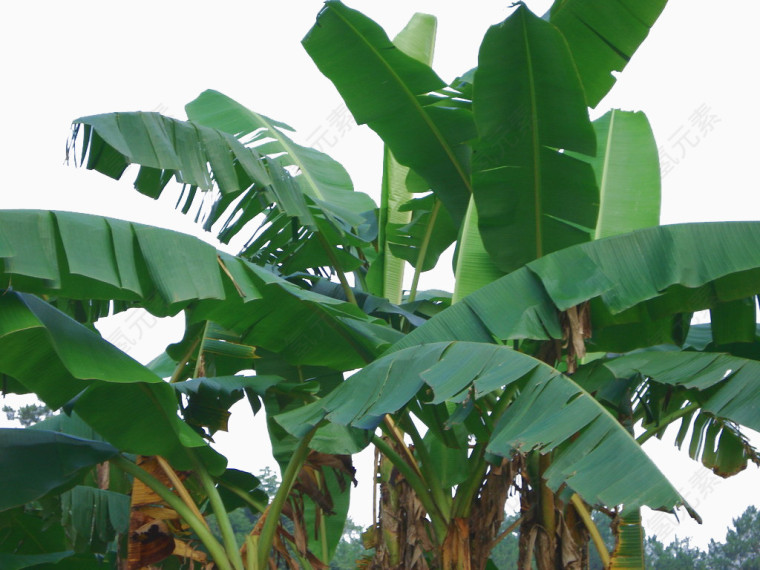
63, 60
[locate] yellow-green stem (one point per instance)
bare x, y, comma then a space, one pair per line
664, 422
338, 269
548, 511
275, 508
423, 250
322, 525
507, 531
179, 487
596, 537
254, 504
251, 546
217, 506
466, 492
177, 374
442, 500
199, 359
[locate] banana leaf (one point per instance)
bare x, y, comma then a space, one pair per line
94, 517
729, 383
320, 177
417, 40
603, 36
429, 232
124, 402
35, 462
207, 153
593, 454
629, 543
632, 280
474, 267
26, 540
91, 258
627, 169
399, 97
532, 197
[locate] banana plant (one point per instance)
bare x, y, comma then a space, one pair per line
542, 178
450, 374
530, 382
150, 430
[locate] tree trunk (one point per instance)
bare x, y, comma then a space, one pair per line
551, 531
455, 552
403, 537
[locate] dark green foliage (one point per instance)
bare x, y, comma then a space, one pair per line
678, 555
741, 550
350, 548
506, 552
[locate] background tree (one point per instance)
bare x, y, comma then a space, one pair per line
28, 414
741, 548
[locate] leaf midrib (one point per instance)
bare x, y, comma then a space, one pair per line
603, 178
288, 146
415, 103
536, 145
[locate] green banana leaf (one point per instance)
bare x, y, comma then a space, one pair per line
124, 402
372, 305
729, 383
592, 453
221, 353
532, 198
19, 561
428, 234
26, 540
320, 177
398, 97
632, 280
718, 444
322, 199
449, 464
241, 489
629, 546
734, 322
689, 388
35, 462
164, 148
91, 516
37, 337
68, 424
602, 36
94, 517
627, 169
700, 338
89, 257
474, 267
249, 182
209, 399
